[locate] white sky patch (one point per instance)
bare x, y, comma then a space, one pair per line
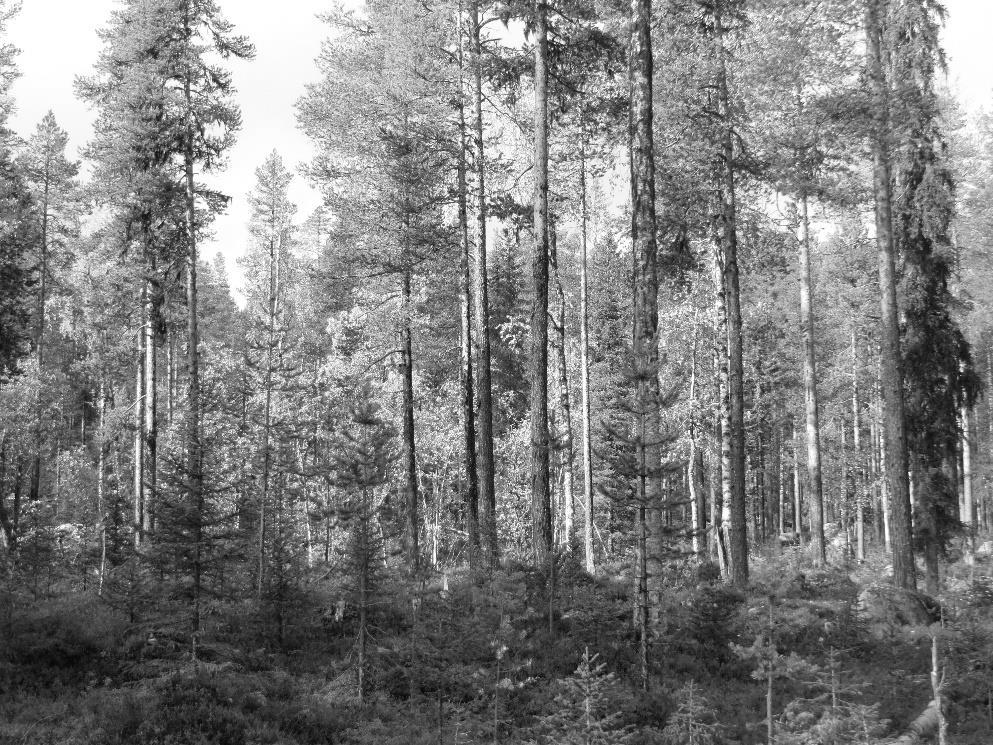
58, 41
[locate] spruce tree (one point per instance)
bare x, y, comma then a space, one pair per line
937, 362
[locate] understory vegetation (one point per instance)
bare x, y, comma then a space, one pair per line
631, 384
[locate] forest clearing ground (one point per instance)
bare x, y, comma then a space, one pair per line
76, 672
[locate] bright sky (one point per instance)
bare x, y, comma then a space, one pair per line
58, 41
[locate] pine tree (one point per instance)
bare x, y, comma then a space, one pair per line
362, 455
273, 369
585, 710
51, 177
381, 119
694, 721
165, 112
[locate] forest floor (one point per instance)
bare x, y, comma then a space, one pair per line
473, 659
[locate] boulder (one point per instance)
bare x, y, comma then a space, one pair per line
893, 605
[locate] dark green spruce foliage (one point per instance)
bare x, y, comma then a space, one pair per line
18, 235
938, 370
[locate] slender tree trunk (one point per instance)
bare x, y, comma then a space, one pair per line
880, 451
482, 338
891, 374
584, 358
698, 515
859, 457
194, 435
714, 487
365, 559
101, 525
541, 513
170, 377
815, 493
728, 239
564, 439
775, 475
409, 446
272, 312
844, 499
968, 501
797, 489
150, 402
8, 537
723, 440
646, 290
40, 334
466, 339
646, 356
781, 450
138, 521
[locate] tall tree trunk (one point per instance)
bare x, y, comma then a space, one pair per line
482, 338
775, 474
466, 341
584, 358
726, 225
723, 439
891, 374
726, 229
272, 311
170, 377
101, 525
859, 464
138, 512
8, 537
194, 435
646, 354
968, 500
698, 514
781, 456
815, 494
564, 435
412, 536
150, 400
541, 513
797, 489
40, 333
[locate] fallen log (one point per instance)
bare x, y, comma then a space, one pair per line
923, 729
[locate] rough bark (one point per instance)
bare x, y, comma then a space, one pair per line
564, 436
723, 439
482, 338
412, 525
968, 500
194, 434
266, 444
797, 489
471, 493
727, 239
891, 374
698, 516
815, 492
8, 534
138, 481
40, 331
150, 402
541, 513
646, 359
859, 465
584, 361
